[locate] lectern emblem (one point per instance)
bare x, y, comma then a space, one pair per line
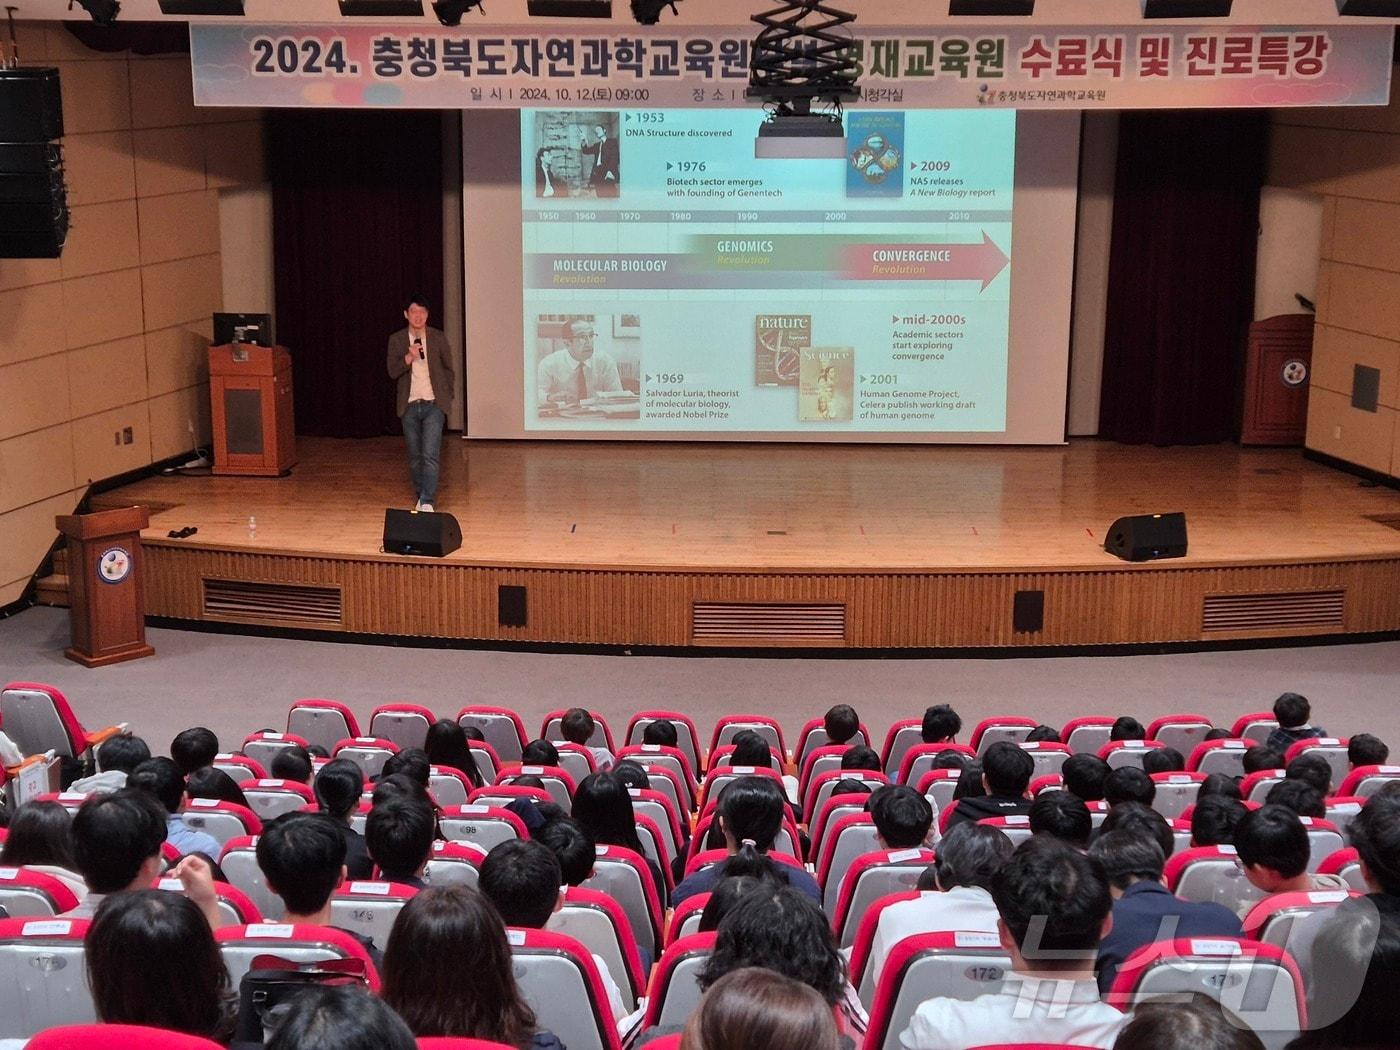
114, 565
1295, 372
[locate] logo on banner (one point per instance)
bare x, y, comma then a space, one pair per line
1295, 372
114, 565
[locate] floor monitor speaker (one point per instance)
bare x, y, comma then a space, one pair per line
1145, 537
421, 532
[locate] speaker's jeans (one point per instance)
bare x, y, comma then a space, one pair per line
422, 430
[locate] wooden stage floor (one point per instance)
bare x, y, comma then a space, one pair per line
893, 546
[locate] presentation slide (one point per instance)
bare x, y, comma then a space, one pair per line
673, 283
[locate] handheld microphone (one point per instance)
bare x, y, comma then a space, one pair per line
419, 344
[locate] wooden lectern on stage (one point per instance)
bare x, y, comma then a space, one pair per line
1278, 366
107, 608
250, 390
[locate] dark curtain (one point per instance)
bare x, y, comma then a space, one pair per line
1181, 275
357, 229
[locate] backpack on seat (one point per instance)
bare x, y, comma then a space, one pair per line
267, 989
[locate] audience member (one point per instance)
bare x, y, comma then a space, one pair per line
1144, 910
1053, 904
754, 1007
446, 745
751, 749
661, 733
411, 762
161, 777
902, 816
1364, 749
1195, 1022
948, 758
338, 787
523, 880
1084, 775
1259, 758
1218, 784
1273, 848
941, 725
1214, 820
727, 894
340, 1018
400, 836
850, 786
572, 846
1299, 796
749, 815
631, 774
291, 763
841, 724
1355, 960
208, 782
858, 756
1128, 784
1006, 773
40, 837
117, 838
194, 749
302, 857
1313, 770
1292, 712
539, 753
1125, 727
456, 924
152, 960
966, 864
1163, 760
603, 805
1217, 734
1142, 820
971, 783
1063, 816
116, 758
1043, 735
577, 727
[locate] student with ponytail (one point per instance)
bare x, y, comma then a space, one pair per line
750, 815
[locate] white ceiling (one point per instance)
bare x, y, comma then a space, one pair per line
737, 12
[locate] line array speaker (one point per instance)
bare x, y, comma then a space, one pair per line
33, 197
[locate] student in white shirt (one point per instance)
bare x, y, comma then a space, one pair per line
1054, 906
958, 895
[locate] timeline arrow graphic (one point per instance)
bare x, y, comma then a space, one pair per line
926, 262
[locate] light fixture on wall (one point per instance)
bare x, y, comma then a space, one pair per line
1186, 8
802, 66
200, 8
450, 12
992, 8
382, 8
102, 12
648, 12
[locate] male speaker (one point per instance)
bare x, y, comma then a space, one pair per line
421, 532
1145, 537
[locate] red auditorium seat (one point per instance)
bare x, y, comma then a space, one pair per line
370, 907
1324, 839
28, 894
368, 752
561, 983
452, 1042
623, 875
598, 922
1016, 827
1175, 791
576, 760
1181, 731
1040, 785
730, 726
239, 862
852, 836
716, 778
674, 991
657, 808
1048, 757
240, 945
1342, 810
484, 826
818, 760
666, 1042
225, 821
556, 780
1365, 781
722, 757
1254, 727
919, 759
861, 974
117, 1037
404, 724
235, 907
455, 863
654, 756
1120, 753
960, 965
786, 841
1087, 734
270, 798
1271, 920
871, 877
552, 729
498, 796
1218, 756
835, 806
262, 747
448, 786
501, 727
813, 736
824, 784
321, 722
239, 767
1255, 786
939, 786
1347, 864
685, 917
902, 735
1010, 728
1211, 873
43, 980
38, 718
687, 737
1333, 749
487, 761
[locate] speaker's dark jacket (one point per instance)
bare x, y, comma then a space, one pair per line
442, 368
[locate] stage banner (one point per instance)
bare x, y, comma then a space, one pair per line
422, 66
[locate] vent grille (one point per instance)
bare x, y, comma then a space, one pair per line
261, 602
1273, 612
768, 623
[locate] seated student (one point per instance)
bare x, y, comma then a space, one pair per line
40, 837
338, 787
522, 878
860, 757
152, 960
1292, 712
400, 834
603, 805
1259, 758
970, 782
1006, 773
1218, 733
302, 858
941, 725
1357, 951
749, 815
725, 895
1125, 727
754, 1007
116, 758
1063, 816
117, 838
291, 763
851, 786
661, 733
1219, 784
1273, 848
1143, 907
340, 1018
1313, 770
572, 846
446, 745
1214, 820
539, 753
1364, 749
411, 762
1043, 734
194, 749
1195, 1022
751, 749
1128, 784
1140, 820
841, 724
902, 816
1299, 796
208, 782
479, 1000
1084, 775
631, 774
1053, 903
1163, 760
949, 759
967, 861
577, 727
161, 777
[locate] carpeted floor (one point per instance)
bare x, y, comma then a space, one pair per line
236, 685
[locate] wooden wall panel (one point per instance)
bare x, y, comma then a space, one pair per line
1336, 429
107, 375
35, 395
102, 308
100, 166
101, 238
1335, 353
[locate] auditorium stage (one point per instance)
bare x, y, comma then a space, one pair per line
727, 545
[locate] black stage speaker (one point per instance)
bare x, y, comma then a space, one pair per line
1143, 537
33, 198
421, 532
1369, 8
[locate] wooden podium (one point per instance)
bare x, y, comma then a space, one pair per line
107, 606
250, 390
1277, 370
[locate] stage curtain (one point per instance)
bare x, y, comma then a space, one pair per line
1181, 275
357, 228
